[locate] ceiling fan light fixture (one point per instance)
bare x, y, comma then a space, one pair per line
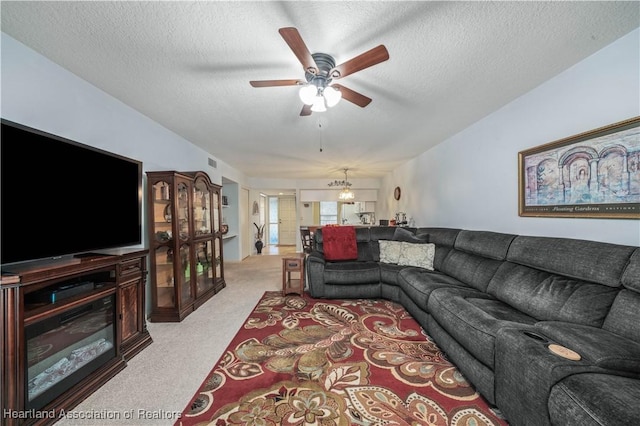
320, 69
318, 104
332, 96
308, 93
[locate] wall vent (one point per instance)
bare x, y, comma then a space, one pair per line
213, 163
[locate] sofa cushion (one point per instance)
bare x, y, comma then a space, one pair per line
631, 276
389, 273
597, 346
493, 245
381, 233
474, 318
339, 243
595, 399
624, 315
365, 249
377, 233
550, 297
420, 255
443, 238
346, 273
418, 283
390, 251
476, 257
583, 260
476, 271
406, 235
439, 236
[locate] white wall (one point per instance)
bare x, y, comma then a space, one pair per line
38, 93
470, 181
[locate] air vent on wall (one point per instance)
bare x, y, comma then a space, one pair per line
213, 163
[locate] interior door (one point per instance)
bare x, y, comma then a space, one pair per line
287, 213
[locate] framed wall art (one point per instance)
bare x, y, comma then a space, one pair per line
595, 174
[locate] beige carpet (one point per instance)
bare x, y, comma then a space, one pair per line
157, 384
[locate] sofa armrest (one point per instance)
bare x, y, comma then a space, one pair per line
314, 267
600, 347
525, 372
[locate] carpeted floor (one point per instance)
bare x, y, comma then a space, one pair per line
299, 360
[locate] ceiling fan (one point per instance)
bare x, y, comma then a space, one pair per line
318, 91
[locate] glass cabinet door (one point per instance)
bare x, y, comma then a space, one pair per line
216, 211
163, 237
162, 212
165, 286
186, 268
183, 211
201, 208
204, 267
217, 240
218, 260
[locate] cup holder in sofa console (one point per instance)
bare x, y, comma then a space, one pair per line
564, 352
535, 336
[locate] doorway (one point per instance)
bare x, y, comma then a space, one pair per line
282, 220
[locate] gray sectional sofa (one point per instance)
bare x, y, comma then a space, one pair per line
498, 303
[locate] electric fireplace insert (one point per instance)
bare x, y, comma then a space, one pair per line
65, 348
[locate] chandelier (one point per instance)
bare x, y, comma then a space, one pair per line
346, 194
317, 91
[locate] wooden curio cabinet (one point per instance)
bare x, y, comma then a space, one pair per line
185, 242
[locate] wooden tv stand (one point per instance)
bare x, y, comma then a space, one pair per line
127, 270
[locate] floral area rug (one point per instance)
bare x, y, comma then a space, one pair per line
304, 361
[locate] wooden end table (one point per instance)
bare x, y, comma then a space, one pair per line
293, 275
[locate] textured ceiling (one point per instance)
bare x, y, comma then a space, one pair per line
187, 65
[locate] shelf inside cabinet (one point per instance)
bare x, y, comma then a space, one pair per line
44, 303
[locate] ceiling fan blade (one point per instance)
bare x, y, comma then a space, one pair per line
360, 62
272, 83
353, 96
295, 42
306, 110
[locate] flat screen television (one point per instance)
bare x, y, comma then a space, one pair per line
61, 198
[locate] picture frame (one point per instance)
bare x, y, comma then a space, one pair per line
595, 174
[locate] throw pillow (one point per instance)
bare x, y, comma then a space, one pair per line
389, 251
420, 255
339, 243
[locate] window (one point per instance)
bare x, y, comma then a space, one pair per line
328, 212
